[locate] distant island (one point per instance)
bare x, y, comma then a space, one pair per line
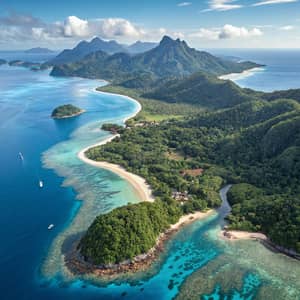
38, 50
25, 64
66, 111
2, 62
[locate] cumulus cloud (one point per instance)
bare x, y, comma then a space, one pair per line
114, 27
269, 2
230, 31
222, 5
17, 28
20, 30
106, 28
182, 4
208, 34
74, 26
226, 32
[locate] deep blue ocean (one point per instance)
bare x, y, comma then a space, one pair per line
74, 193
281, 71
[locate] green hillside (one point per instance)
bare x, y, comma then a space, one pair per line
203, 90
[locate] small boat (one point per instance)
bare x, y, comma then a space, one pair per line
41, 184
50, 226
21, 156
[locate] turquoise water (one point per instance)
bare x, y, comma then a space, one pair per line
74, 193
249, 289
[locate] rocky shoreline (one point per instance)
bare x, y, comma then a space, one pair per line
76, 264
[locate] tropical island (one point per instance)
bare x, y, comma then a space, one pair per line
195, 133
3, 62
25, 64
66, 111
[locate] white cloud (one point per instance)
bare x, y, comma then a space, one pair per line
230, 31
208, 34
74, 26
18, 31
287, 28
106, 28
182, 4
269, 2
17, 28
227, 32
222, 5
115, 27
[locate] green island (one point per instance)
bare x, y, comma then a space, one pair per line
66, 111
25, 64
194, 134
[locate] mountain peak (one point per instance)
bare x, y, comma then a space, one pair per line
96, 39
166, 40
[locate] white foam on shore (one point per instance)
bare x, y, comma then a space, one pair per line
242, 75
138, 183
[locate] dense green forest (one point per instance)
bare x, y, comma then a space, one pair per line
64, 111
254, 209
255, 145
153, 109
203, 90
127, 231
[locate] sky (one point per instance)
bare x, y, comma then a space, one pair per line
59, 24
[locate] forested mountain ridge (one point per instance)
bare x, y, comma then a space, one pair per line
84, 48
171, 58
203, 90
285, 94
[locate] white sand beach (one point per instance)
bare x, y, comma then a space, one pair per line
187, 219
242, 235
242, 75
138, 183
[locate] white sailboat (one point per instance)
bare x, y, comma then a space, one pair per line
41, 184
50, 226
21, 156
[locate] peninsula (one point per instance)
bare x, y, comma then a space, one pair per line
66, 111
